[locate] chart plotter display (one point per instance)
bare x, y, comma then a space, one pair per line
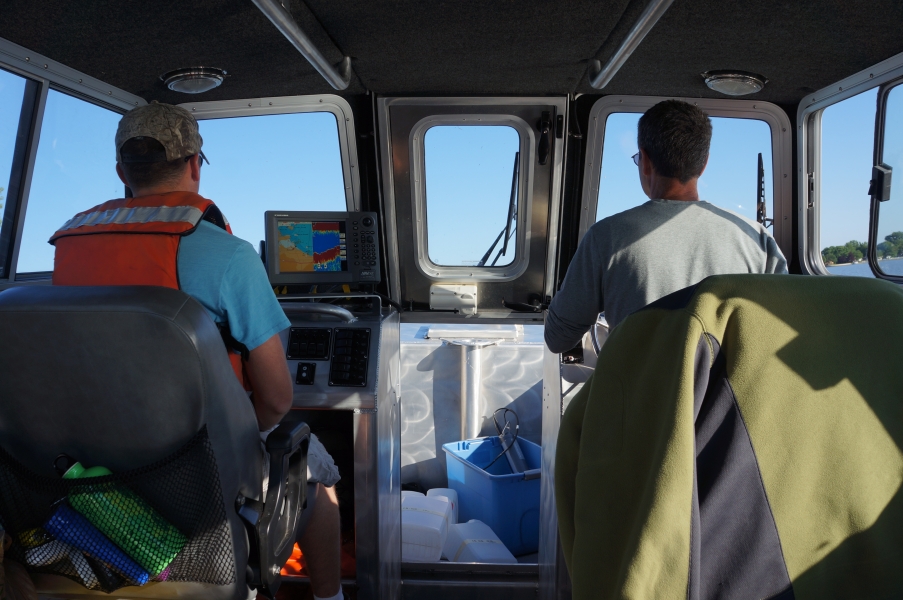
311, 246
308, 247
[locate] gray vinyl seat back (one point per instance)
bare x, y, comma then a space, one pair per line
123, 377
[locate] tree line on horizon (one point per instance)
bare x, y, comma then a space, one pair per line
853, 251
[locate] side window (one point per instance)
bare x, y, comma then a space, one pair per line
271, 162
12, 92
847, 142
75, 169
471, 177
730, 179
889, 247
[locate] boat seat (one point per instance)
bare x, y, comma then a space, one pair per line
742, 438
136, 379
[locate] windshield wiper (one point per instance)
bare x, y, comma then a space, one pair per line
512, 211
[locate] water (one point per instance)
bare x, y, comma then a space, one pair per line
888, 266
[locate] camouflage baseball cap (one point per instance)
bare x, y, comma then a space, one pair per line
173, 126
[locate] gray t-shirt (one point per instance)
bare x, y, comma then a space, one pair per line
633, 258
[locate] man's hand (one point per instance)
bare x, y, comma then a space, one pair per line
270, 381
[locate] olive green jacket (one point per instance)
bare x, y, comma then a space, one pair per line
741, 439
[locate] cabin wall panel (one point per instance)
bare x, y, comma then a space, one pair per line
431, 393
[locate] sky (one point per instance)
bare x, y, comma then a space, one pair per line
468, 190
292, 162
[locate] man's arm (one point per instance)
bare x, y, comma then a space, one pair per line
577, 305
774, 261
255, 319
270, 381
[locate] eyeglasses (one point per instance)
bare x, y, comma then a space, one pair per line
636, 159
201, 154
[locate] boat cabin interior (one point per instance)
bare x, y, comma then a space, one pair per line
416, 178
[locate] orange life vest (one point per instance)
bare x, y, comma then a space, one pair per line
92, 250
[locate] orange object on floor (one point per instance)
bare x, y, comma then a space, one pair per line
297, 566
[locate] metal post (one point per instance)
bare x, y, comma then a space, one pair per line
599, 75
280, 17
471, 385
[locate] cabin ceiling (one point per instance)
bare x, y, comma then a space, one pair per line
461, 47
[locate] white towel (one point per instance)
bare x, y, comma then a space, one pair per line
320, 466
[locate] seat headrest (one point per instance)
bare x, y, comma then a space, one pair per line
118, 376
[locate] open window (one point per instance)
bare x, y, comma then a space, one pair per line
56, 154
747, 173
847, 140
470, 204
850, 145
886, 222
73, 171
14, 102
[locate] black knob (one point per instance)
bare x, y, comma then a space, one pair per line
369, 239
367, 221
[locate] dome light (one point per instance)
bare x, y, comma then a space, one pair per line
734, 83
193, 80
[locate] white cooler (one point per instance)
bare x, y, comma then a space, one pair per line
475, 542
424, 527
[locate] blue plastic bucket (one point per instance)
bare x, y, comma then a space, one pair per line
505, 501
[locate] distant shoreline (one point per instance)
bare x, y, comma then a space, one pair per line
862, 262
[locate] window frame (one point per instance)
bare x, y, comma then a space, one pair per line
771, 114
878, 158
416, 143
284, 105
809, 142
46, 74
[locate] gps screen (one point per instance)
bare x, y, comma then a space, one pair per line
311, 246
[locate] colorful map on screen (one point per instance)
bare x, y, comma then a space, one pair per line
305, 246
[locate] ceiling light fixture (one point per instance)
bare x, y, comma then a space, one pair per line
193, 80
734, 83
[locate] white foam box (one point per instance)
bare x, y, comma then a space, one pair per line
449, 495
424, 527
475, 542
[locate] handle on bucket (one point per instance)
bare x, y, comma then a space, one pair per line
532, 474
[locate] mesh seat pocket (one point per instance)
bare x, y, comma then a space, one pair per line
161, 522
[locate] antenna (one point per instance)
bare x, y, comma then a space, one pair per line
761, 210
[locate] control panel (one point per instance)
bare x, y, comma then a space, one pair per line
347, 349
308, 343
349, 357
341, 350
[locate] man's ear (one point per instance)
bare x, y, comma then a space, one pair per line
705, 165
121, 174
646, 164
194, 163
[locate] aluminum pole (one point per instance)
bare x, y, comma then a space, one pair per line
284, 22
653, 12
471, 385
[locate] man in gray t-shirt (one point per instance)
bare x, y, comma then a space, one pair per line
673, 241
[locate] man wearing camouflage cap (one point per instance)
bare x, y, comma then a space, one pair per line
158, 158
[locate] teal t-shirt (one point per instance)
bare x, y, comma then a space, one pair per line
225, 274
